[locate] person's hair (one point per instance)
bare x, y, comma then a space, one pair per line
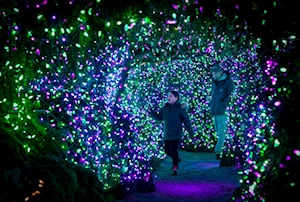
175, 93
216, 68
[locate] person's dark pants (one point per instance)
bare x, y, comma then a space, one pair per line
171, 149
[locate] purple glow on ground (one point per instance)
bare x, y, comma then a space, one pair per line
191, 190
200, 179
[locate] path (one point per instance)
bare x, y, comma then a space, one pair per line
200, 179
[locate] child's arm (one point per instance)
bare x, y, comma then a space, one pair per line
185, 119
157, 116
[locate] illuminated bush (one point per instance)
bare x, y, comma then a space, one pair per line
93, 77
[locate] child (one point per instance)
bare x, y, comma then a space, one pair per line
173, 114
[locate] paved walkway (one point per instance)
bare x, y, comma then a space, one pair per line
200, 179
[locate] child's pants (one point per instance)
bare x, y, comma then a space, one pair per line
220, 124
171, 149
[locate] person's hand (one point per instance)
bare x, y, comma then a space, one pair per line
184, 105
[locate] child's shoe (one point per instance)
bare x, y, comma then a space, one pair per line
179, 160
175, 170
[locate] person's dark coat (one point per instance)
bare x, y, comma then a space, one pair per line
220, 94
173, 116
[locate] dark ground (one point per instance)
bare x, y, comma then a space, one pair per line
200, 179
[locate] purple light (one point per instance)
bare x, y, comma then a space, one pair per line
257, 174
271, 63
171, 22
38, 52
282, 166
277, 103
131, 25
297, 152
53, 17
175, 6
201, 9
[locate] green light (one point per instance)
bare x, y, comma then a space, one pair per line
90, 11
126, 27
147, 19
276, 143
39, 16
86, 34
283, 69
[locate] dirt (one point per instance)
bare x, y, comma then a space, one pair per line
201, 178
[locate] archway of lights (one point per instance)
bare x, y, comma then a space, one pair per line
93, 83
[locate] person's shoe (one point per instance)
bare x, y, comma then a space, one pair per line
178, 163
218, 156
175, 172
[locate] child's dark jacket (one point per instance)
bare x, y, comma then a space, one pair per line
173, 116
